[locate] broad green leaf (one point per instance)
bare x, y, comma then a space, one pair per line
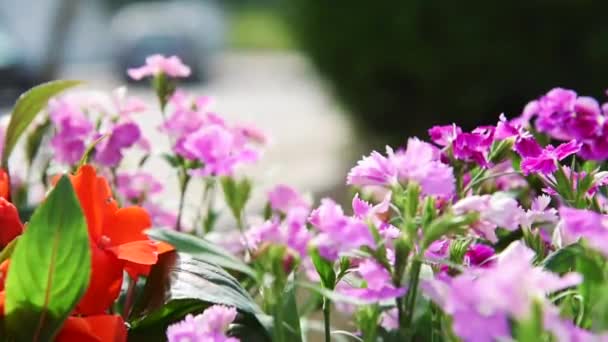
202, 249
324, 269
50, 267
564, 259
25, 110
183, 284
288, 316
34, 139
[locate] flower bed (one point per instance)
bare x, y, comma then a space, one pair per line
494, 234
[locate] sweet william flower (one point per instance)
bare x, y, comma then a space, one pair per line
159, 64
210, 326
544, 161
73, 130
585, 224
444, 135
378, 284
109, 151
283, 198
419, 163
337, 232
475, 146
136, 186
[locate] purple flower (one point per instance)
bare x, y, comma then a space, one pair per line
375, 169
136, 186
585, 224
108, 151
505, 129
373, 214
282, 198
378, 284
552, 110
479, 255
496, 210
73, 130
160, 217
547, 161
586, 120
419, 163
482, 301
291, 232
186, 116
210, 326
218, 149
338, 233
159, 64
475, 146
444, 135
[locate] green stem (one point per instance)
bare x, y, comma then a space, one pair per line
410, 301
184, 180
130, 296
326, 318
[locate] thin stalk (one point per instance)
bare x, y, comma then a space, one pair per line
410, 302
326, 318
184, 180
130, 297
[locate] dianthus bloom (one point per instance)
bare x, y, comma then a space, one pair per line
483, 301
136, 186
378, 285
159, 64
210, 326
587, 225
544, 161
496, 210
419, 163
337, 232
73, 130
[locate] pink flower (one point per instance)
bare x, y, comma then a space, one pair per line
338, 233
544, 161
209, 326
109, 151
375, 169
378, 284
136, 186
474, 146
159, 64
73, 130
496, 210
585, 224
282, 198
444, 135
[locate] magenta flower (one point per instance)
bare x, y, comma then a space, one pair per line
372, 214
136, 186
378, 284
210, 326
109, 151
479, 255
547, 161
585, 224
338, 233
127, 105
282, 198
552, 110
159, 64
444, 135
419, 163
375, 169
218, 149
482, 301
496, 210
73, 130
506, 129
475, 146
160, 217
186, 115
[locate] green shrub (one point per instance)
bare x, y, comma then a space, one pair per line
399, 66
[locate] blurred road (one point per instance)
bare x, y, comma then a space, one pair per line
310, 139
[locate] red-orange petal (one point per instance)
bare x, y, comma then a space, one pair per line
141, 252
99, 328
5, 184
163, 247
105, 283
85, 184
10, 223
127, 225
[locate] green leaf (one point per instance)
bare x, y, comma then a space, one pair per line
202, 249
564, 259
183, 284
34, 139
50, 267
288, 317
25, 110
324, 268
236, 194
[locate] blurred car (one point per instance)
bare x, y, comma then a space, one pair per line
16, 76
191, 30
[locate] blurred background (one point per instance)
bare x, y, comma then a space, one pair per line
328, 80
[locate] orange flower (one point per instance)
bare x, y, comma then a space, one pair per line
99, 328
117, 240
10, 224
5, 184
